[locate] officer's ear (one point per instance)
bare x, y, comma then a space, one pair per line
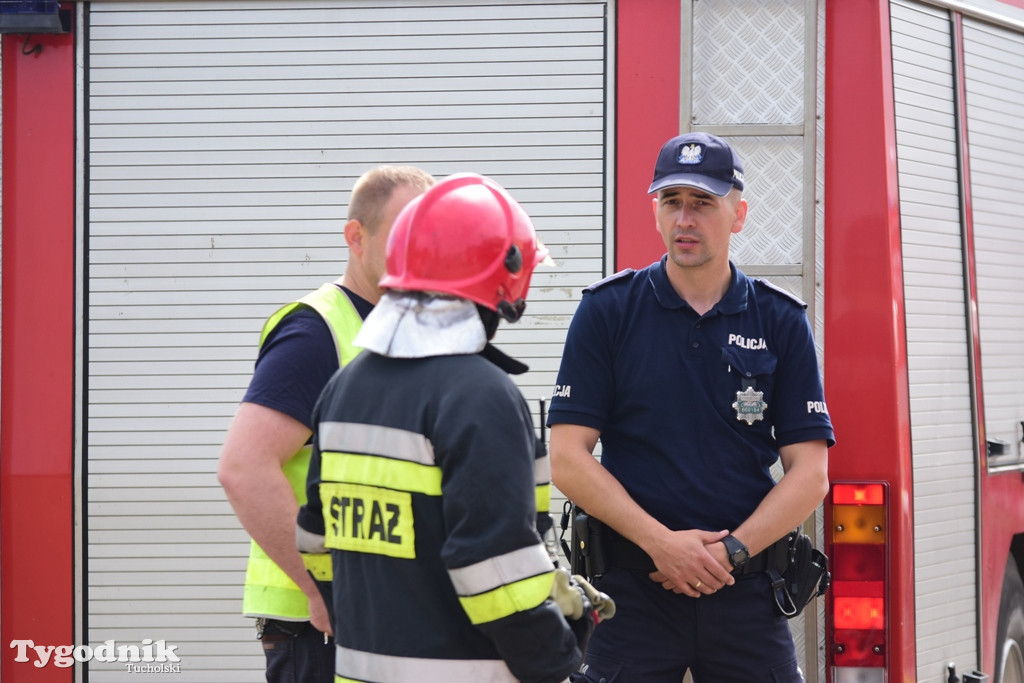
741, 214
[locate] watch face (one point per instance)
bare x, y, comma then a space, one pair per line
738, 554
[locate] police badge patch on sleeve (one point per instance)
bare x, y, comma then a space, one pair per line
750, 405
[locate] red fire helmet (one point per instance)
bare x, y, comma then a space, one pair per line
466, 237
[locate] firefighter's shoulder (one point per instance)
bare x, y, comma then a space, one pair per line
621, 276
782, 293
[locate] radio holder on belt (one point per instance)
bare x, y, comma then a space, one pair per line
585, 548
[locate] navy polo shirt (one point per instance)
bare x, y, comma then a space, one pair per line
296, 360
675, 394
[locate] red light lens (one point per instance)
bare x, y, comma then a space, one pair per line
858, 562
860, 613
858, 494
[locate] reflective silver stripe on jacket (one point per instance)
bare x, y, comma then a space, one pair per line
308, 542
366, 666
352, 437
542, 470
502, 570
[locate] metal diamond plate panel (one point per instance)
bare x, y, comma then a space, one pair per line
748, 62
819, 208
773, 234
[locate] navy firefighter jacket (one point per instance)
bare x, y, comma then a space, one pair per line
425, 484
692, 409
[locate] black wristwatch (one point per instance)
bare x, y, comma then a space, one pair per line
738, 553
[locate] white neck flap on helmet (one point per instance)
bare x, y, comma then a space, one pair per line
420, 325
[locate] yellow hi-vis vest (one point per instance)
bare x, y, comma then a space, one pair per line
269, 592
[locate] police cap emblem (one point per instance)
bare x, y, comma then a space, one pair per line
691, 154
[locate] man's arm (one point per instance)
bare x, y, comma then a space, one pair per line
796, 496
682, 557
258, 444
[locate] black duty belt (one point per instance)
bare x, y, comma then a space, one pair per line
628, 555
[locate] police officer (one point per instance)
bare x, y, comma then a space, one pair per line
427, 477
266, 451
696, 379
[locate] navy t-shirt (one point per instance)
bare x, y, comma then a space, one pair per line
295, 362
675, 394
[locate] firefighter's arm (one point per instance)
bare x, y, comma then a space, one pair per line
258, 443
798, 493
497, 562
681, 557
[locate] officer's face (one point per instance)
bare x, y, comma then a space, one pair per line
696, 226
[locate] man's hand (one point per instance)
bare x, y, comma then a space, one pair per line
318, 614
258, 444
686, 564
720, 553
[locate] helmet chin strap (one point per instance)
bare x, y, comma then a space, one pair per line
511, 311
490, 320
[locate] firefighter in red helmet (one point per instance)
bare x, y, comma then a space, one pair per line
433, 497
470, 240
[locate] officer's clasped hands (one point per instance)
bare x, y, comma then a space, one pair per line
689, 565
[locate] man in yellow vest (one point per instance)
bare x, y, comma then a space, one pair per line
266, 452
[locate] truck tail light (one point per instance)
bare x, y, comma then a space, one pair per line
856, 608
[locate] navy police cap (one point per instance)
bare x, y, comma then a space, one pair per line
698, 160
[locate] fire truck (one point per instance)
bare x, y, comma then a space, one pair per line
174, 170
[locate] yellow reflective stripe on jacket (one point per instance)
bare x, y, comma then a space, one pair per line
508, 599
371, 470
357, 666
543, 495
319, 565
501, 586
268, 590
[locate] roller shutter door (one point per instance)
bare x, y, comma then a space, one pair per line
937, 340
222, 141
994, 71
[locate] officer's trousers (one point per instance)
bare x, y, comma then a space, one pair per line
731, 636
